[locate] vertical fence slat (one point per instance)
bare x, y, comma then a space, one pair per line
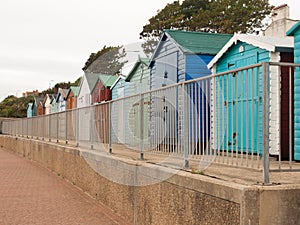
290, 120
110, 127
141, 127
266, 101
185, 125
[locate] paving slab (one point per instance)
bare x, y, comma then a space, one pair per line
33, 195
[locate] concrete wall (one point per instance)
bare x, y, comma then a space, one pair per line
183, 198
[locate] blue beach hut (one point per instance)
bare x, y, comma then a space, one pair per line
119, 91
181, 56
29, 110
295, 31
238, 113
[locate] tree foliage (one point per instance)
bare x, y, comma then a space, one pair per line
230, 16
63, 85
14, 107
214, 16
109, 60
167, 18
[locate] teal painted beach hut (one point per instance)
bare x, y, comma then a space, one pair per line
138, 81
233, 103
118, 90
181, 56
295, 31
139, 77
29, 110
126, 123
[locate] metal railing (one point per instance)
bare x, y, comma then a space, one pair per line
232, 118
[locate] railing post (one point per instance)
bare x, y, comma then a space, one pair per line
49, 123
77, 126
32, 126
91, 127
20, 127
186, 123
141, 127
291, 114
265, 122
57, 127
109, 128
37, 127
27, 123
21, 131
12, 128
43, 128
67, 126
12, 124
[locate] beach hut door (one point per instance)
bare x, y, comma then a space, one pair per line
239, 106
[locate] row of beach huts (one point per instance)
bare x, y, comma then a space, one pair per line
182, 56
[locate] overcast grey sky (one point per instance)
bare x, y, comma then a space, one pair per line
45, 42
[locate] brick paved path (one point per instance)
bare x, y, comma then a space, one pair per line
32, 195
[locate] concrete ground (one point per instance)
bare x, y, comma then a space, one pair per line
241, 169
32, 195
